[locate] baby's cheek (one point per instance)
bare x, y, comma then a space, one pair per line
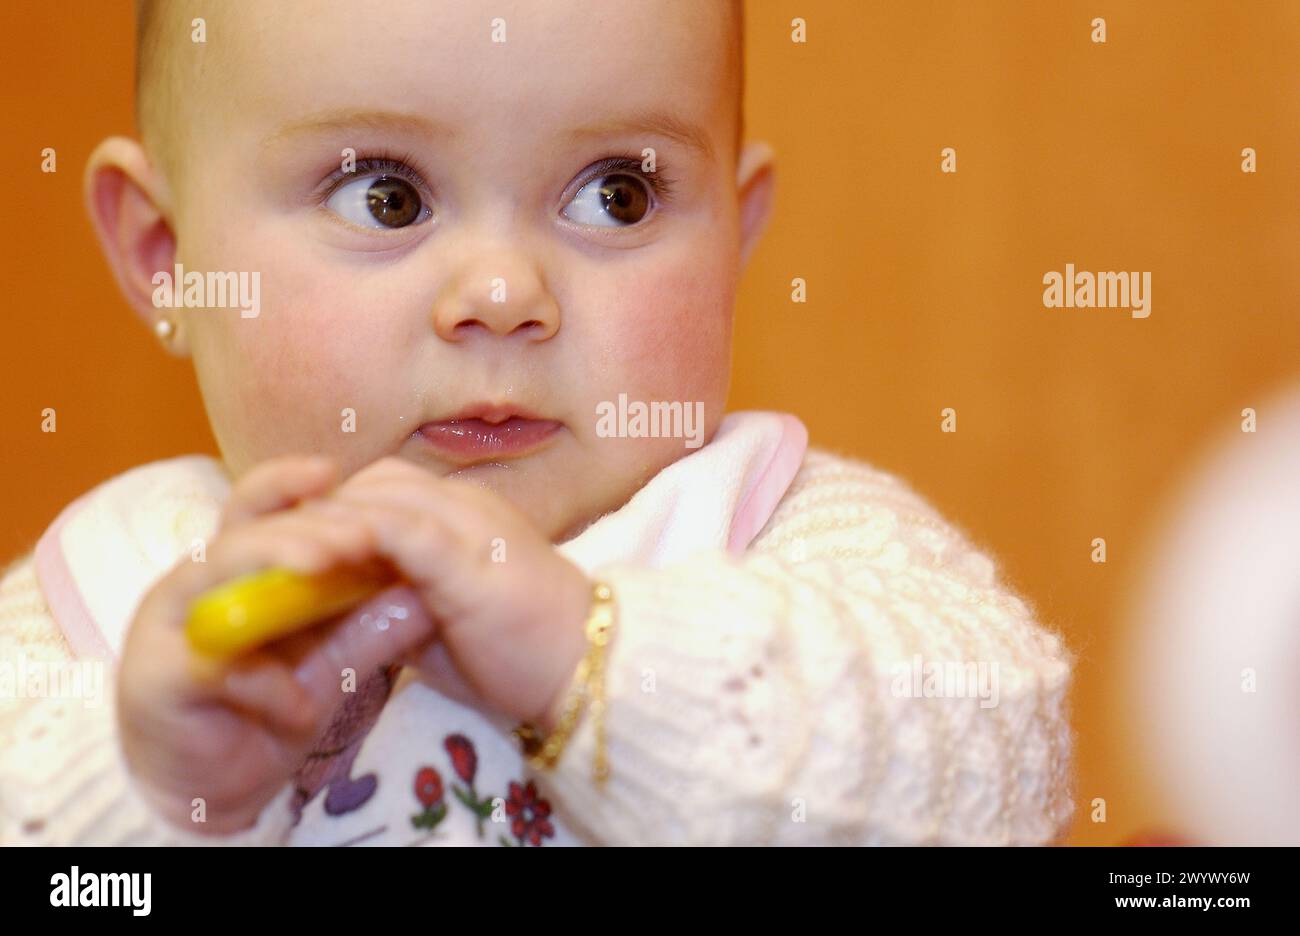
298, 386
672, 338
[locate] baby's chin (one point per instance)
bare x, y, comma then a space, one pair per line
564, 489
545, 487
559, 507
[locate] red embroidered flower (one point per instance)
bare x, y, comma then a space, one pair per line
428, 787
529, 823
463, 758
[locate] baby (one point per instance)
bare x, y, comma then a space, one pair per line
496, 249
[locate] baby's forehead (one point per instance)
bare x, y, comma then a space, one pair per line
458, 62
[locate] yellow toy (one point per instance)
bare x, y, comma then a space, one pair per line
258, 608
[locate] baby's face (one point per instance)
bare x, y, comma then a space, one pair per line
497, 262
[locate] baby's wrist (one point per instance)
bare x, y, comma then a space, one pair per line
184, 809
585, 690
192, 813
571, 650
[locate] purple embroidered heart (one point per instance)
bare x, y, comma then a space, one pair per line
347, 793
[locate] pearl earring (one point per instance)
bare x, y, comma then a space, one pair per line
164, 328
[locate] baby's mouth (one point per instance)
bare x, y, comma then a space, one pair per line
488, 432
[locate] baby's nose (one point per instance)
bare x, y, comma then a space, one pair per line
501, 301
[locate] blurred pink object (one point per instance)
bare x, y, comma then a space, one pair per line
1215, 662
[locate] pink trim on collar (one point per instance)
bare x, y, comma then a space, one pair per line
759, 501
70, 612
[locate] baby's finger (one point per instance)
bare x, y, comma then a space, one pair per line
472, 513
263, 684
464, 520
292, 543
436, 669
421, 546
384, 630
276, 484
304, 541
347, 536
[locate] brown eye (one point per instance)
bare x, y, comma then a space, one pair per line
624, 198
381, 202
393, 202
616, 200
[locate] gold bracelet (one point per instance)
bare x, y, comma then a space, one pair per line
588, 687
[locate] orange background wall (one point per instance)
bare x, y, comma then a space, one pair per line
924, 289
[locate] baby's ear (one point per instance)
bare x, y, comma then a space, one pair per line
126, 198
754, 180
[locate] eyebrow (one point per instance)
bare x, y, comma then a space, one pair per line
357, 119
655, 123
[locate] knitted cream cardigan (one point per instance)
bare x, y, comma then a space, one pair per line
788, 707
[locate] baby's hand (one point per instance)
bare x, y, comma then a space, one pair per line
509, 609
233, 734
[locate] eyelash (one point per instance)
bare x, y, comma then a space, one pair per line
391, 163
660, 184
384, 163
